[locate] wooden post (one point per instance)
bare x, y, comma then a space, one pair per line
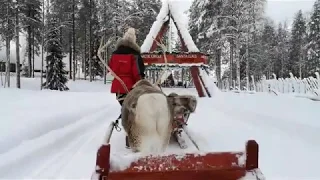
195, 75
252, 151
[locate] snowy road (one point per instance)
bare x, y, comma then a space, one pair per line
287, 130
55, 154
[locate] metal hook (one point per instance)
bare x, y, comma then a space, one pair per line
116, 126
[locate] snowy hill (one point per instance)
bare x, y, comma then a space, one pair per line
55, 135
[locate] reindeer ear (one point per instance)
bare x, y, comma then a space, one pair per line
193, 104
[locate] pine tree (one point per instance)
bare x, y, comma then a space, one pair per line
83, 33
297, 45
281, 63
31, 21
143, 14
198, 25
269, 44
94, 41
57, 75
64, 11
313, 63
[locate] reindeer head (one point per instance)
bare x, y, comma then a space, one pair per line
182, 103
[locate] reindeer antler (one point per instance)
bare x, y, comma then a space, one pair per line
102, 49
164, 49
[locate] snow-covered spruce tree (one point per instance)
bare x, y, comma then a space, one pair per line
313, 64
269, 45
57, 75
64, 11
297, 45
282, 49
198, 24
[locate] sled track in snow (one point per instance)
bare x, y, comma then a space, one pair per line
50, 151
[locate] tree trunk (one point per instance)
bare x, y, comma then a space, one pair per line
238, 62
105, 34
247, 64
90, 45
17, 48
105, 60
29, 52
231, 61
7, 78
47, 62
70, 55
84, 66
74, 41
42, 48
33, 52
218, 66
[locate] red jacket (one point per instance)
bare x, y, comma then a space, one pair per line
124, 66
127, 63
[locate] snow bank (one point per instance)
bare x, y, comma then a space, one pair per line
156, 26
29, 114
209, 82
162, 17
49, 137
286, 128
299, 112
182, 28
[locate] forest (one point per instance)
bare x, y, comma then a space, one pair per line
241, 41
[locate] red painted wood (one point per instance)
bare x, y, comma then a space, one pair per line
195, 76
190, 58
233, 174
252, 160
164, 28
223, 160
210, 166
191, 166
102, 162
204, 86
160, 34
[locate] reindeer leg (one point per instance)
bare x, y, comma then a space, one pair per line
177, 134
127, 143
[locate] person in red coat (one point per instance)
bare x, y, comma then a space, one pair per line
127, 63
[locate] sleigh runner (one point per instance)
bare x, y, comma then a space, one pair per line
234, 165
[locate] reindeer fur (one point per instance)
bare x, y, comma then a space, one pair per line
148, 116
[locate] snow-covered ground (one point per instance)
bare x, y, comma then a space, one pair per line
55, 135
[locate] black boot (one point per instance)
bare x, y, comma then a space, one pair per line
127, 143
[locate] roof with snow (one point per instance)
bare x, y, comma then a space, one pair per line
23, 55
167, 11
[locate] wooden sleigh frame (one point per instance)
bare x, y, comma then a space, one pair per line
209, 166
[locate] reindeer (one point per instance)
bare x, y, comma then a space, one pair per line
148, 114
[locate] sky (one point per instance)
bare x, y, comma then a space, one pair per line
278, 10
